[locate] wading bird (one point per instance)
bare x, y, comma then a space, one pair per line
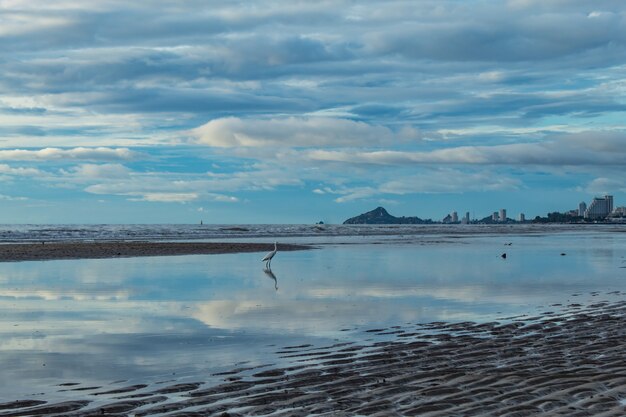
268, 258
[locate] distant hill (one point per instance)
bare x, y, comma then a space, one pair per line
380, 216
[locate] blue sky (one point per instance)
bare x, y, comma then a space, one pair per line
295, 112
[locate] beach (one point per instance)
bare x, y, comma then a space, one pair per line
102, 250
566, 362
419, 324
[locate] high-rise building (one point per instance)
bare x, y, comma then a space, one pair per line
619, 212
495, 216
455, 217
466, 218
600, 207
522, 218
502, 215
581, 208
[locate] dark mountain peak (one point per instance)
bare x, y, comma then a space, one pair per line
380, 216
379, 211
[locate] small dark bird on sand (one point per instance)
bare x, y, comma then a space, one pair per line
503, 255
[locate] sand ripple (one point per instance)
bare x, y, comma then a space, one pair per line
566, 364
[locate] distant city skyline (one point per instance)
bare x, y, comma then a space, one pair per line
297, 112
599, 208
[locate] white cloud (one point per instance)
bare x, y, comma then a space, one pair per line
115, 179
162, 188
588, 148
165, 197
105, 171
449, 181
436, 181
181, 197
24, 23
20, 171
357, 193
223, 198
80, 153
294, 132
605, 185
264, 177
12, 198
66, 294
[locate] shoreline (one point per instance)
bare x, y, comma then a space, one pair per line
567, 363
20, 252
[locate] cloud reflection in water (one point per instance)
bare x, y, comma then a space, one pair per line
102, 319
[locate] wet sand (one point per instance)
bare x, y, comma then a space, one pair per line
566, 362
99, 250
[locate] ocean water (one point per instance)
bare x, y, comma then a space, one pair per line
171, 232
185, 318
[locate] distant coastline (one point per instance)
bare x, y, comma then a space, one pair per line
381, 216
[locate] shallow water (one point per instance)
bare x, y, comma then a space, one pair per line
181, 318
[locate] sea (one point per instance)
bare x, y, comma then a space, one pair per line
104, 322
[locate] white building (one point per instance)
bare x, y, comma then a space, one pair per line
502, 215
455, 217
581, 208
522, 217
600, 207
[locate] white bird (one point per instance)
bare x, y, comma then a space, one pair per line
268, 258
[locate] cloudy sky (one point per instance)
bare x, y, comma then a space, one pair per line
298, 111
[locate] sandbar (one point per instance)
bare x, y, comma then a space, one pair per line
98, 250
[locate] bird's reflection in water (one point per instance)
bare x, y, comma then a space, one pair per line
271, 275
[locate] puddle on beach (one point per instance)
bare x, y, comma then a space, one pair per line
93, 322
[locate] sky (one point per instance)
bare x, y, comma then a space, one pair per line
298, 111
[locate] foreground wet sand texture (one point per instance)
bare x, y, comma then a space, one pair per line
99, 250
570, 363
